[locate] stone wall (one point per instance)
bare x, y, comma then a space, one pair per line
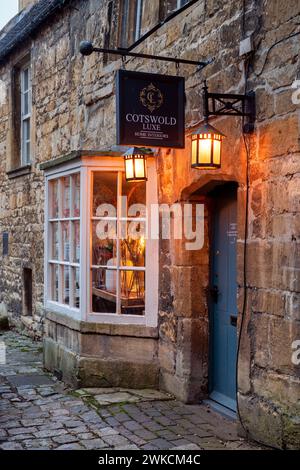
74, 107
95, 355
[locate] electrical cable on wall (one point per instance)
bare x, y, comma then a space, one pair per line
271, 47
245, 297
247, 148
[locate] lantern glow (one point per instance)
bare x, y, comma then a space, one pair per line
135, 164
206, 147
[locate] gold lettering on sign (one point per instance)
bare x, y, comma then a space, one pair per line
151, 97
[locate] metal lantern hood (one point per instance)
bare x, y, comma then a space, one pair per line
207, 140
136, 164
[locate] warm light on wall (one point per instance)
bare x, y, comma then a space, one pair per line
206, 147
135, 164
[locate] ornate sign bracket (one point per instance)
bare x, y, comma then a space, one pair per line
87, 48
227, 104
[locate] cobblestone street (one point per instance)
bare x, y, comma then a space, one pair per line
39, 412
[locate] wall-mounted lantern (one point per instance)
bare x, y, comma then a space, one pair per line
206, 147
207, 140
136, 164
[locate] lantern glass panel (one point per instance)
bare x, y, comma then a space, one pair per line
194, 150
140, 167
205, 151
129, 168
217, 152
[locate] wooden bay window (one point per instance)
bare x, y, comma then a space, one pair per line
101, 262
63, 243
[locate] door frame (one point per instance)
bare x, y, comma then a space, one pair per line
212, 205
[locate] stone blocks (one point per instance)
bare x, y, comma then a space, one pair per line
83, 359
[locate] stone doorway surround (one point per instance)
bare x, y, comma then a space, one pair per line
184, 328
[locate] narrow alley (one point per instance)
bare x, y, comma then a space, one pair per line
38, 412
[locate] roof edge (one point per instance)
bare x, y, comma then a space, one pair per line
29, 23
77, 155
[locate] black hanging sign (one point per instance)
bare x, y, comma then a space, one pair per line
150, 109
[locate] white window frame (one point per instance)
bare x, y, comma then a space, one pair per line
138, 20
25, 117
84, 313
49, 302
181, 3
129, 8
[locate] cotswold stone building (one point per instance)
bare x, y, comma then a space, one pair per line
151, 313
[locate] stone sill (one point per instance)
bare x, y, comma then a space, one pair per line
17, 172
139, 331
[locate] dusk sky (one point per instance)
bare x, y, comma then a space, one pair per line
8, 9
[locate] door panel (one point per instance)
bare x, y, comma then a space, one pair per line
223, 305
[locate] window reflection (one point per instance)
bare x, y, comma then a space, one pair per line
132, 292
104, 290
64, 256
118, 242
105, 194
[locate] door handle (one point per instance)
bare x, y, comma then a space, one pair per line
233, 320
214, 292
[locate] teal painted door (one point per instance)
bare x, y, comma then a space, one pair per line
223, 298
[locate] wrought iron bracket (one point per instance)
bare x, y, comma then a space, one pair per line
227, 104
87, 48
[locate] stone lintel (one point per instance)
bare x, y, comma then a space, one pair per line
21, 171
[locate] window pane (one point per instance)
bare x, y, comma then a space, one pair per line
132, 292
137, 18
77, 288
54, 282
27, 129
66, 197
66, 240
104, 290
133, 198
104, 249
54, 252
27, 152
25, 79
26, 103
124, 23
105, 194
76, 242
133, 245
66, 293
173, 5
54, 203
76, 183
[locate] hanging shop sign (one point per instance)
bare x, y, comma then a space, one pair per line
150, 110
